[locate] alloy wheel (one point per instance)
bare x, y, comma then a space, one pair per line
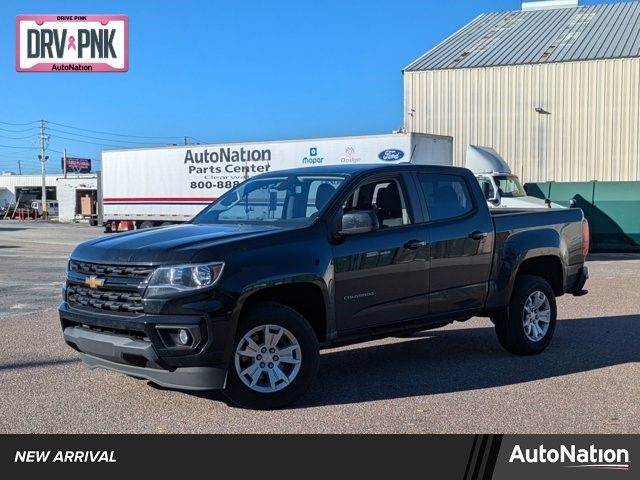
536, 316
268, 358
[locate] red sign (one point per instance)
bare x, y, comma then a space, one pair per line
77, 165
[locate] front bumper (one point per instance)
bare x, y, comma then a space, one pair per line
138, 358
138, 346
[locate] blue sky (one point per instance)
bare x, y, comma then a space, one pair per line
227, 71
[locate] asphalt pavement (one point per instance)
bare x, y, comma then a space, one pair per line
455, 379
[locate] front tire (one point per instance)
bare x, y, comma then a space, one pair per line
275, 358
527, 325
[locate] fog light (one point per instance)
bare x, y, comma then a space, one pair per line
183, 337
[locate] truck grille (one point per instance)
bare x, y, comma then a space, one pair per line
106, 300
110, 270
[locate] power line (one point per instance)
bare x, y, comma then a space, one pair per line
100, 138
17, 138
21, 148
19, 131
20, 124
116, 134
198, 141
85, 141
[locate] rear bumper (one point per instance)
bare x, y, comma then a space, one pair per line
138, 358
577, 282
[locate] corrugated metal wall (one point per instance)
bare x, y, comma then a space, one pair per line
592, 133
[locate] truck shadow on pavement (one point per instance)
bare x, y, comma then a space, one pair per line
444, 361
38, 363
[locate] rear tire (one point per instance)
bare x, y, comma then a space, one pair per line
258, 377
527, 325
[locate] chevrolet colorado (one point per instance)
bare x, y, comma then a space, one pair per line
244, 296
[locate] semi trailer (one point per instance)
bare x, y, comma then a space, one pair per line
148, 187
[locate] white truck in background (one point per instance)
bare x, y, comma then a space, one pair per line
147, 187
501, 188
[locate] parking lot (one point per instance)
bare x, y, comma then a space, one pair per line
455, 379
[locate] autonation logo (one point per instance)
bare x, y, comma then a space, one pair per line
574, 457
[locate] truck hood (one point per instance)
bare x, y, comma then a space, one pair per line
523, 202
166, 245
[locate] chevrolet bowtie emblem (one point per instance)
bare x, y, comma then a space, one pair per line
93, 281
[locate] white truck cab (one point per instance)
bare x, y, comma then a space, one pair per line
501, 188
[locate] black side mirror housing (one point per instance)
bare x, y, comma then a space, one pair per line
497, 199
359, 221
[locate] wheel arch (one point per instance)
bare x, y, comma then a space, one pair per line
539, 252
306, 295
548, 267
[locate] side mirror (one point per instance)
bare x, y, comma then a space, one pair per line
548, 202
497, 199
356, 222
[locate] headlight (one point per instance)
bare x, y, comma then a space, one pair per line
166, 281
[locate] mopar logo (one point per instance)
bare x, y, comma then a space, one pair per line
313, 157
391, 155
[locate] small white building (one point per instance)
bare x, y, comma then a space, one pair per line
69, 192
77, 197
25, 188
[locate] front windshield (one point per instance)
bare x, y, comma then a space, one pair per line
286, 199
510, 186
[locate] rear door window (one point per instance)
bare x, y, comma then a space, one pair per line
447, 196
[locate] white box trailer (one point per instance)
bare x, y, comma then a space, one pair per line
146, 187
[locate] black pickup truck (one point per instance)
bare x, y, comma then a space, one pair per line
244, 296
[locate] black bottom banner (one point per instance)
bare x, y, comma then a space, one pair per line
466, 457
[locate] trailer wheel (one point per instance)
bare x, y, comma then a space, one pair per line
147, 224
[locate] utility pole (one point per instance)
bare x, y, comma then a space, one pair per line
19, 167
43, 159
64, 163
185, 139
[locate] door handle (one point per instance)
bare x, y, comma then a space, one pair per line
477, 235
415, 244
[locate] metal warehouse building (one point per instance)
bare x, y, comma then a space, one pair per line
554, 87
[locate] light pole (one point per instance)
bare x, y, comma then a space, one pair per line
541, 113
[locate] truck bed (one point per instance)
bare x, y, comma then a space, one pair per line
514, 219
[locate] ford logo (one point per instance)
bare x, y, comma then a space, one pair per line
391, 155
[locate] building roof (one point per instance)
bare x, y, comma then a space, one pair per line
527, 37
